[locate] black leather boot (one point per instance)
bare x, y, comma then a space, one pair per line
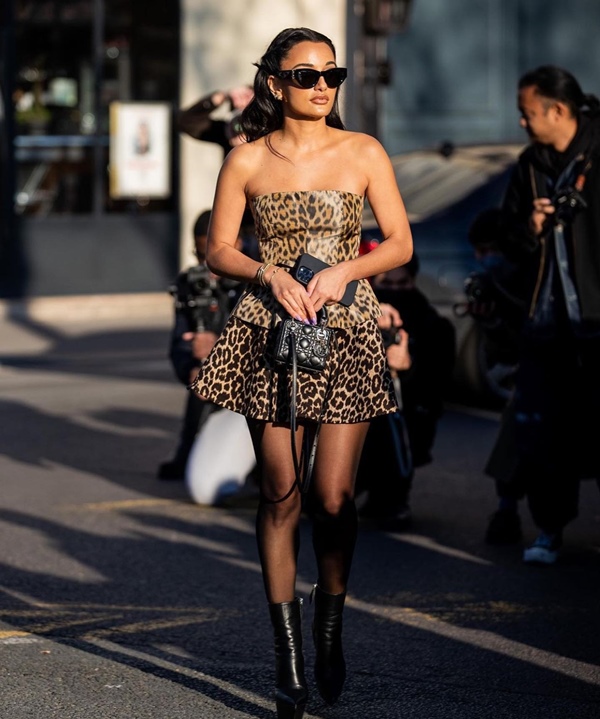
290, 684
330, 665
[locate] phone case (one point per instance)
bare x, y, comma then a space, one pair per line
306, 266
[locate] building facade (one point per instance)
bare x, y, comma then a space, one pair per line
80, 218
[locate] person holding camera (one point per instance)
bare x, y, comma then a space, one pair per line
495, 294
420, 348
495, 299
383, 494
198, 122
552, 232
202, 302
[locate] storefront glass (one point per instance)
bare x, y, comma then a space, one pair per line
73, 58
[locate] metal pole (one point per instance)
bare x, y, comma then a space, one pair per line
98, 68
12, 262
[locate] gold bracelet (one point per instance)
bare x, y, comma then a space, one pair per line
275, 271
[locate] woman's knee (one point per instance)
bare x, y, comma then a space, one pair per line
283, 512
333, 505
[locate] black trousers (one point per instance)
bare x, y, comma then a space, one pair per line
549, 433
385, 471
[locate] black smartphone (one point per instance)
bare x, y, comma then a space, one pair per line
307, 266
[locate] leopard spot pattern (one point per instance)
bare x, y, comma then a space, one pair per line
240, 375
324, 223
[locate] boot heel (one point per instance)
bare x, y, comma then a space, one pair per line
285, 710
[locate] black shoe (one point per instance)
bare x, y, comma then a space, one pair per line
504, 528
171, 470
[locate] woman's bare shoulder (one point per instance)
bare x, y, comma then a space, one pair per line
362, 142
246, 154
244, 161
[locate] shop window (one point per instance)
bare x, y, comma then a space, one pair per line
63, 88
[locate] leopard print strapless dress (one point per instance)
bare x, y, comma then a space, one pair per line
239, 375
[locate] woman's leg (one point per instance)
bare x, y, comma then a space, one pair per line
335, 526
277, 534
278, 516
335, 522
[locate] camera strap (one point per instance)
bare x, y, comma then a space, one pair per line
570, 182
573, 176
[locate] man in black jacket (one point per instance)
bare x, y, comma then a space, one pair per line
397, 444
553, 232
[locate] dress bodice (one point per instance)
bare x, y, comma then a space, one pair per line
324, 223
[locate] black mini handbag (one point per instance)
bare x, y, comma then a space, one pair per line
303, 347
306, 347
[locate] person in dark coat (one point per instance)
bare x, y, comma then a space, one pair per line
398, 444
553, 232
496, 302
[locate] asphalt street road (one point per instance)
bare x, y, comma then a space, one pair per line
122, 599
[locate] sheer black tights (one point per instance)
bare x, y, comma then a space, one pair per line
332, 507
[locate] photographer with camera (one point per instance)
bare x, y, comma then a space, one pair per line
202, 303
420, 349
553, 233
495, 299
495, 293
197, 121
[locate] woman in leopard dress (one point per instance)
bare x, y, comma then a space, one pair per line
305, 178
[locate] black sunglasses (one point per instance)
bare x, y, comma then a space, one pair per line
307, 78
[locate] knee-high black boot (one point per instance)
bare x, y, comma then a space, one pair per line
290, 684
330, 665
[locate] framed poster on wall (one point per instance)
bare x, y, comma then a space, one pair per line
140, 150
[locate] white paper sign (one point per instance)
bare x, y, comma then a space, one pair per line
140, 149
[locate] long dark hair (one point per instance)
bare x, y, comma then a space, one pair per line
555, 83
264, 114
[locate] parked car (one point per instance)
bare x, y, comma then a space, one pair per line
443, 190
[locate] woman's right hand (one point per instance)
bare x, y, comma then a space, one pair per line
292, 296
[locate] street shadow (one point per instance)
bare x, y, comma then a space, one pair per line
105, 449
140, 353
170, 588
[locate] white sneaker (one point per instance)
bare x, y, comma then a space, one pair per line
544, 550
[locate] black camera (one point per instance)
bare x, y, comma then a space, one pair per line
391, 336
199, 294
233, 124
566, 203
479, 288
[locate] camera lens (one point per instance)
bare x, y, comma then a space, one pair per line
305, 275
234, 124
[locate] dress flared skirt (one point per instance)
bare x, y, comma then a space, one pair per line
240, 375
